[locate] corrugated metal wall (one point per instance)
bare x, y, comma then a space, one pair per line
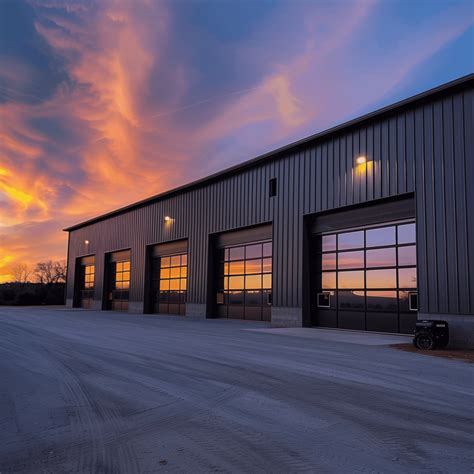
428, 146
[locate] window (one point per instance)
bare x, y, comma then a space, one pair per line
89, 277
170, 288
350, 240
120, 284
87, 285
370, 270
272, 187
244, 280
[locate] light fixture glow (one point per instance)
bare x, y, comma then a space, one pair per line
86, 242
361, 160
167, 218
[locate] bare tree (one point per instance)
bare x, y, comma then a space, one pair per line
20, 273
60, 270
50, 272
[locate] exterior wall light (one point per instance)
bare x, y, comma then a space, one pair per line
86, 242
361, 160
167, 219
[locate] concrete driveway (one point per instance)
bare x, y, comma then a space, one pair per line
109, 392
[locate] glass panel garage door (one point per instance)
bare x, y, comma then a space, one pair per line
87, 285
169, 274
244, 281
367, 279
120, 273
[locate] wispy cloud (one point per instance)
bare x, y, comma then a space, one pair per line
103, 103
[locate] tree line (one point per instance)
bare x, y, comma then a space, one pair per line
43, 284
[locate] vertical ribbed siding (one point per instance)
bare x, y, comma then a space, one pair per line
427, 148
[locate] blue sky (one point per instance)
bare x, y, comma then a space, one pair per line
107, 102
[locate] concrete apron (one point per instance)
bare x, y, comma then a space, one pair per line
362, 338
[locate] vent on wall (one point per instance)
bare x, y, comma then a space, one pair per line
272, 187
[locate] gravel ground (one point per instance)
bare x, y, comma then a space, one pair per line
109, 392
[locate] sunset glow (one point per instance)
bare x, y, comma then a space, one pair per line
107, 102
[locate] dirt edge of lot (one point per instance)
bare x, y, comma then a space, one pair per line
466, 355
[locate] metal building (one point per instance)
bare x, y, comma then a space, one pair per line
368, 225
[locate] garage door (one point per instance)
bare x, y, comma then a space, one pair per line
366, 278
243, 274
169, 272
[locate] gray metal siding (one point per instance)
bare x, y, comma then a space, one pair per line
426, 148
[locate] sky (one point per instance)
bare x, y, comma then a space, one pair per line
103, 103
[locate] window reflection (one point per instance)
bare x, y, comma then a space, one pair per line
351, 240
253, 297
380, 237
407, 278
407, 233
328, 243
170, 290
253, 266
329, 261
267, 265
373, 278
175, 272
89, 277
351, 299
381, 278
381, 257
236, 268
236, 297
122, 275
249, 281
237, 253
407, 255
253, 251
236, 283
267, 249
329, 280
382, 300
349, 279
253, 282
350, 260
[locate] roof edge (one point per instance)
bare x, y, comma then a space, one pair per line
256, 160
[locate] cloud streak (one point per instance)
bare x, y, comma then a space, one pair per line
131, 98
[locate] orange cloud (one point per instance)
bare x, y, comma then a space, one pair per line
123, 122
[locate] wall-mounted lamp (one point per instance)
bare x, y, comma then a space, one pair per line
361, 160
86, 242
167, 219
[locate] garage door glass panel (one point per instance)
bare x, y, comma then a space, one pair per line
253, 251
237, 253
329, 280
386, 257
329, 261
245, 282
375, 277
348, 260
350, 240
329, 243
351, 299
382, 300
120, 285
350, 279
406, 234
407, 277
380, 237
87, 282
169, 290
253, 266
381, 278
407, 256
